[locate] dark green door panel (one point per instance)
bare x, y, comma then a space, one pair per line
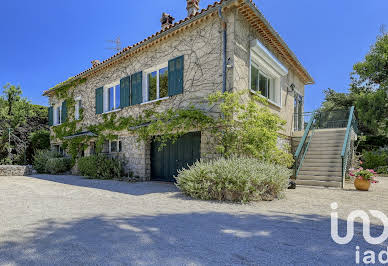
174, 156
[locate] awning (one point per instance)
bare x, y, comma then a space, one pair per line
82, 134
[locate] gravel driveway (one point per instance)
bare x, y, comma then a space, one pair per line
56, 220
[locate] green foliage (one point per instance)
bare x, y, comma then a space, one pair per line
248, 128
383, 170
234, 179
374, 159
38, 140
56, 166
41, 159
22, 118
368, 91
100, 166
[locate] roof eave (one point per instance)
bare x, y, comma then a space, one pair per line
283, 43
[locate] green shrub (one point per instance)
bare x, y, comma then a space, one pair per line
234, 179
41, 158
383, 170
58, 165
100, 166
374, 159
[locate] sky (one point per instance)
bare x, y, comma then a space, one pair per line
43, 42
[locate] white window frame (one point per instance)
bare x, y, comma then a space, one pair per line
57, 121
77, 114
270, 67
106, 97
145, 83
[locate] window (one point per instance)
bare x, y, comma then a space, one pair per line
157, 83
58, 114
78, 107
298, 112
115, 146
113, 96
59, 149
267, 73
262, 83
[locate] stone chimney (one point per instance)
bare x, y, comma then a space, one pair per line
167, 20
192, 7
95, 63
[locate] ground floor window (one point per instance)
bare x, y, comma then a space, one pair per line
58, 148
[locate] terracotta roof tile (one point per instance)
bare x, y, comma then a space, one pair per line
126, 49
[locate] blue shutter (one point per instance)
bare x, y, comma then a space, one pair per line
64, 112
125, 92
51, 116
100, 100
175, 76
137, 88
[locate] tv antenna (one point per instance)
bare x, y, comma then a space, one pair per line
116, 43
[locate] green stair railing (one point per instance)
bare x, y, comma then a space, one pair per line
304, 144
347, 147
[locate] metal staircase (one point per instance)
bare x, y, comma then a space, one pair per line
324, 152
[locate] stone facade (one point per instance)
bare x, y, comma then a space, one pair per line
202, 48
15, 170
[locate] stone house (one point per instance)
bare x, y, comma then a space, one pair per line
227, 46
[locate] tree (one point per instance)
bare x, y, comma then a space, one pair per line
368, 91
18, 120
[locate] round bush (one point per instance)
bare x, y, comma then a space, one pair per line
100, 166
234, 179
41, 158
58, 165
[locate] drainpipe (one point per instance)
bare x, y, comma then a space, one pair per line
224, 67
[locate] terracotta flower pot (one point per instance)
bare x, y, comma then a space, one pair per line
361, 184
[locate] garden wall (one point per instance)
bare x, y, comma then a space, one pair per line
15, 170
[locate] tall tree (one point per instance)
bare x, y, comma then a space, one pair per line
368, 90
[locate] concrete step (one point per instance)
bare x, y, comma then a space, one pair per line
324, 153
319, 178
325, 165
319, 173
314, 147
315, 183
320, 168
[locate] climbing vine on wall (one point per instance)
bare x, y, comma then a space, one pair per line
246, 128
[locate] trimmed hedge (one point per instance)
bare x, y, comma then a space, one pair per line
234, 179
100, 167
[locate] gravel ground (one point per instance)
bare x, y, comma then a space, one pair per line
57, 220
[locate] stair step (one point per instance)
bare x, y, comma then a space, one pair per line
324, 153
321, 165
319, 178
325, 148
329, 168
316, 183
319, 173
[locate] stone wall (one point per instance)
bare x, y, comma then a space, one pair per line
201, 45
243, 35
15, 170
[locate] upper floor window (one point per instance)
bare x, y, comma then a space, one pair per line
266, 73
78, 108
156, 85
111, 98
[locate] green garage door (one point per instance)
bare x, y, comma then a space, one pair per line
174, 156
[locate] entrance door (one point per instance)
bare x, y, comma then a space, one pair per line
174, 156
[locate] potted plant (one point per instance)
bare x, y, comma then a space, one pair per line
363, 178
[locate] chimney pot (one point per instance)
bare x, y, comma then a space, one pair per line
192, 7
167, 20
95, 63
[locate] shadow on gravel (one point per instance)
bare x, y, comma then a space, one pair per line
180, 239
136, 189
